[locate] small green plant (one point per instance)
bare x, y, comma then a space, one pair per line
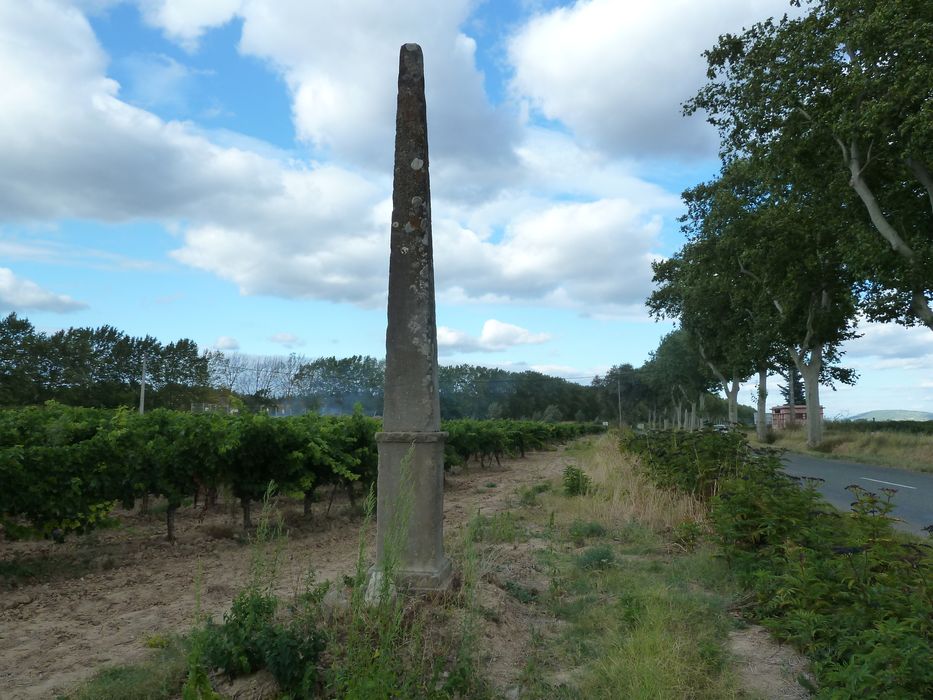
498, 528
463, 680
687, 534
291, 653
579, 531
576, 482
251, 637
599, 557
235, 647
157, 641
529, 496
522, 594
197, 684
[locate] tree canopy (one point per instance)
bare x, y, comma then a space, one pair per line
96, 367
840, 101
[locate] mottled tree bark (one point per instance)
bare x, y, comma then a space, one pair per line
761, 423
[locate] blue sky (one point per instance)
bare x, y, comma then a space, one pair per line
221, 170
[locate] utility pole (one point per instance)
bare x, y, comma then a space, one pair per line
144, 506
619, 396
142, 388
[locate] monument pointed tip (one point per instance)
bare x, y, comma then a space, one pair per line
411, 68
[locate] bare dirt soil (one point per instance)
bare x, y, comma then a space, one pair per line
510, 627
96, 600
766, 668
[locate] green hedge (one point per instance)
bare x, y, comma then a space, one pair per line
845, 588
914, 427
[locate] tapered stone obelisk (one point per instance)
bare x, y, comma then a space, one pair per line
412, 417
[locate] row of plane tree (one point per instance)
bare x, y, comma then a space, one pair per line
822, 213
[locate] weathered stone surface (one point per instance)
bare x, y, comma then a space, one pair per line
411, 397
422, 562
412, 444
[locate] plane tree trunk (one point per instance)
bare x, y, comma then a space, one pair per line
761, 424
810, 371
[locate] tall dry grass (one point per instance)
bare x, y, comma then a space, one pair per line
653, 619
622, 494
888, 448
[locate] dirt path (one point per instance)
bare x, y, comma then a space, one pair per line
55, 634
766, 668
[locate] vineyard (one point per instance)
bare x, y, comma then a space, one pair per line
63, 468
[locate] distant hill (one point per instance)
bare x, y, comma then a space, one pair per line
893, 415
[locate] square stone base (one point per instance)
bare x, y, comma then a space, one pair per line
411, 485
417, 581
410, 582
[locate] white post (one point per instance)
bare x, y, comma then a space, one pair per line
619, 396
142, 388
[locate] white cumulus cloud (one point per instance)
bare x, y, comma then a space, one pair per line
340, 61
18, 294
617, 72
589, 255
494, 336
274, 225
226, 342
75, 150
287, 340
891, 341
185, 21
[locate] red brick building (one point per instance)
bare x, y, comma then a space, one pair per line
781, 416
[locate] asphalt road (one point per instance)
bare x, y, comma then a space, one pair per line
913, 502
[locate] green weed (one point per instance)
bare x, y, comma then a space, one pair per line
600, 557
529, 496
580, 530
157, 641
687, 534
500, 528
576, 482
251, 636
158, 678
464, 679
521, 593
846, 589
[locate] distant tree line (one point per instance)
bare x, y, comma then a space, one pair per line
333, 386
97, 367
102, 368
